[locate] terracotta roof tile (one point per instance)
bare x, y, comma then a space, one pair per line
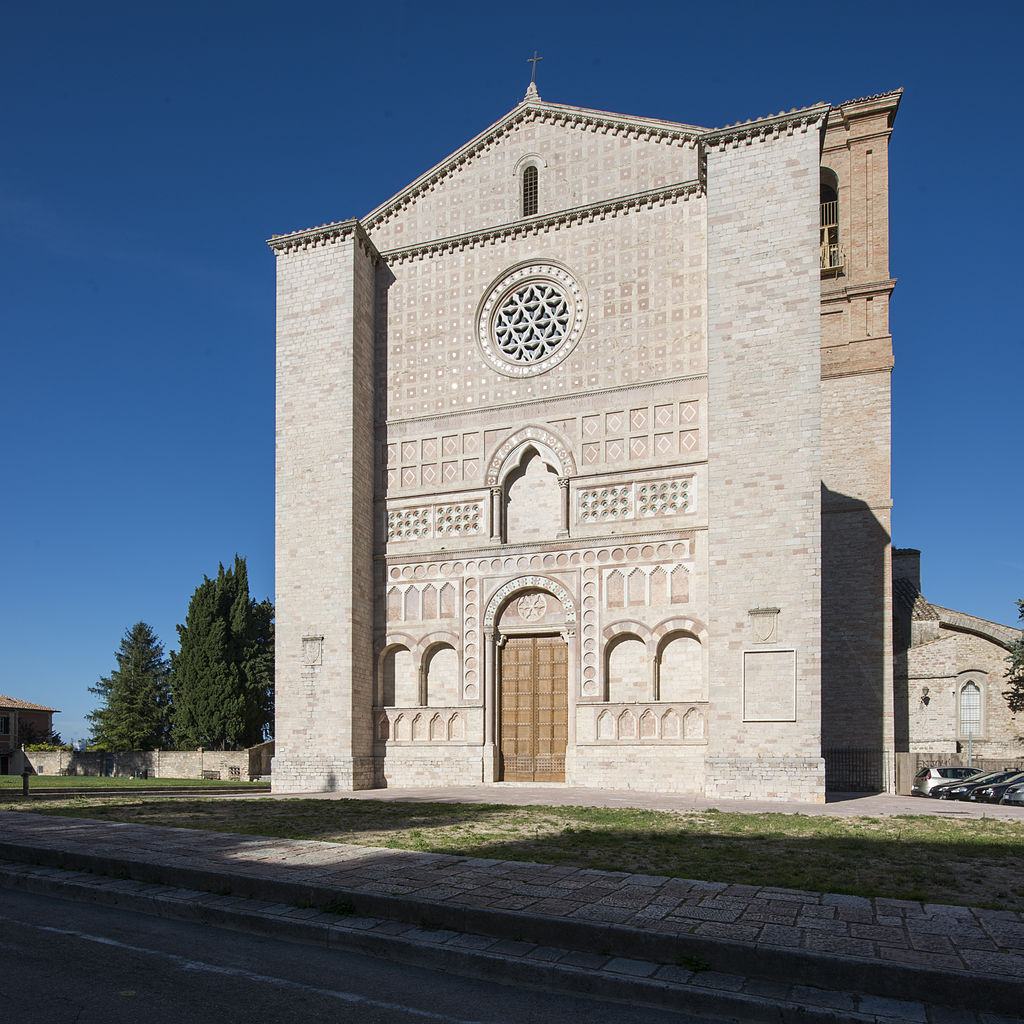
22, 705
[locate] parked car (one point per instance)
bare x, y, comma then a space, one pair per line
927, 778
992, 792
1014, 794
962, 790
941, 790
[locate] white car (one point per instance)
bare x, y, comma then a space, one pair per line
926, 778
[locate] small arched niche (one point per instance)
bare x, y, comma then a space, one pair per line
628, 672
442, 667
533, 498
399, 678
680, 669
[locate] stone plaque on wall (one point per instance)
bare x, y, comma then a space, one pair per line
769, 686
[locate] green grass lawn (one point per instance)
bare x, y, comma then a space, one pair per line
976, 862
13, 782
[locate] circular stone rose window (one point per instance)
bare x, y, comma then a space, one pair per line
531, 319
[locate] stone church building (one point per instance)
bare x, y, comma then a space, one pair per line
583, 461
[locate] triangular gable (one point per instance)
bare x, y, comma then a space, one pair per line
384, 224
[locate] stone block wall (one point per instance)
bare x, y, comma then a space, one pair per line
156, 764
764, 455
324, 512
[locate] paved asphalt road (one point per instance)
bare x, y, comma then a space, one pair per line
71, 963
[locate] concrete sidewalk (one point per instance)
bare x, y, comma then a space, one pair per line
851, 958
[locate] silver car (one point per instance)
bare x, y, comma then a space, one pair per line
1014, 795
926, 778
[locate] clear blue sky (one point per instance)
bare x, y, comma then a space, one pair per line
149, 150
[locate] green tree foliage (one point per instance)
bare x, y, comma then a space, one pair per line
135, 709
223, 672
1015, 673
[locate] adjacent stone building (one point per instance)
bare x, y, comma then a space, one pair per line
950, 674
583, 461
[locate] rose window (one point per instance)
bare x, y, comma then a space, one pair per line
532, 322
530, 319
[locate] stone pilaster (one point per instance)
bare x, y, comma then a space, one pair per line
324, 510
764, 480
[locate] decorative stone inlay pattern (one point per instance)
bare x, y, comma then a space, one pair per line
408, 524
606, 503
634, 500
532, 607
663, 499
545, 437
421, 725
461, 520
646, 723
528, 583
531, 319
457, 520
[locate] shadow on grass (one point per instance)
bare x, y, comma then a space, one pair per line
977, 862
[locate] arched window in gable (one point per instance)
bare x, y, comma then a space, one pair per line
530, 191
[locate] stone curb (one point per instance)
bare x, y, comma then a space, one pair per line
621, 980
975, 992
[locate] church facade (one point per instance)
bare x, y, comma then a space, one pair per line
583, 462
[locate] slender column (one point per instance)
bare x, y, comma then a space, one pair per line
573, 671
490, 674
563, 483
497, 526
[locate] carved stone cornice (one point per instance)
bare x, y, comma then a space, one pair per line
834, 293
785, 123
665, 196
883, 102
325, 234
535, 110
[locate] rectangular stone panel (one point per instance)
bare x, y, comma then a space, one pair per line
769, 686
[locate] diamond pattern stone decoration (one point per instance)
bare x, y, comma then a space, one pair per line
662, 499
606, 503
532, 322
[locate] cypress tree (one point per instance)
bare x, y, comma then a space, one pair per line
135, 709
223, 671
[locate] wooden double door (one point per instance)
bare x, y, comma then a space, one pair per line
534, 708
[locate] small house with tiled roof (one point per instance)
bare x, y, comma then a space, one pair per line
21, 721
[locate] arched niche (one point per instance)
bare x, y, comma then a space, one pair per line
681, 669
627, 669
399, 677
532, 498
441, 667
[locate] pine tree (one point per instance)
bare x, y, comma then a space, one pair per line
223, 671
1015, 673
135, 709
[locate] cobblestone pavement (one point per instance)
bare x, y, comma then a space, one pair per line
971, 957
